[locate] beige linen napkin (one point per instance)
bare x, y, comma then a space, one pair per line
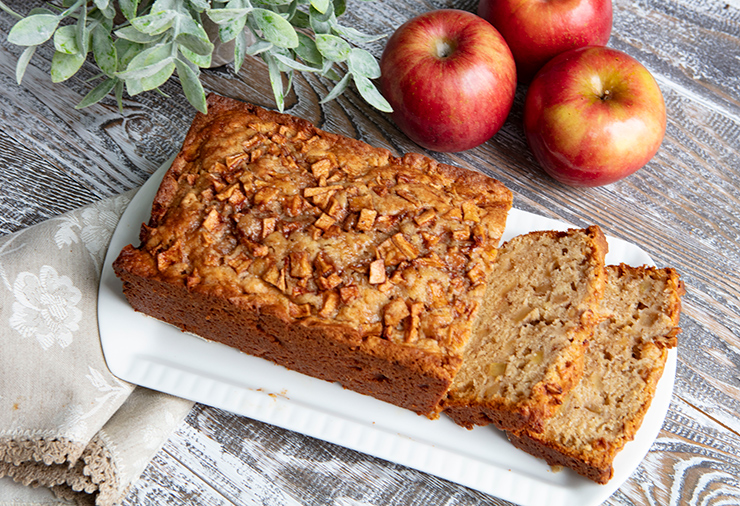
66, 422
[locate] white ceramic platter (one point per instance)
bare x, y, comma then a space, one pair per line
147, 352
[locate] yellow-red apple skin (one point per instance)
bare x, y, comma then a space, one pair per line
538, 30
593, 116
450, 103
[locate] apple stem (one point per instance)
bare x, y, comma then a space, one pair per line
606, 95
444, 48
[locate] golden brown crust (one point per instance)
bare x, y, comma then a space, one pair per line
319, 252
560, 456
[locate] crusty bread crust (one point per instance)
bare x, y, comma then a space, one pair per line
371, 366
318, 252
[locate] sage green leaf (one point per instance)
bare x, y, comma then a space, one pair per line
200, 5
221, 16
134, 87
354, 35
307, 51
260, 47
370, 94
128, 8
193, 37
119, 94
10, 11
320, 25
155, 23
190, 64
275, 28
104, 50
148, 62
320, 5
238, 4
191, 86
82, 32
134, 35
240, 50
330, 73
40, 10
229, 30
340, 6
327, 70
276, 81
102, 20
64, 66
65, 40
187, 24
300, 20
325, 16
20, 68
161, 93
151, 70
332, 47
361, 62
102, 5
126, 51
295, 65
109, 12
338, 89
290, 82
160, 77
97, 94
33, 30
276, 3
203, 61
166, 5
291, 10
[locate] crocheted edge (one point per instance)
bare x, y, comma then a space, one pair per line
69, 469
102, 470
53, 450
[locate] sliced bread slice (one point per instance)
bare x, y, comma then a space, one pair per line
623, 364
529, 341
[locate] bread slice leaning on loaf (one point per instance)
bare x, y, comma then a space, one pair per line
319, 252
624, 362
529, 341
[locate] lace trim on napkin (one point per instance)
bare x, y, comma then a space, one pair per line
69, 470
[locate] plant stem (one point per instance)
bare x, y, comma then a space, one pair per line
10, 11
73, 8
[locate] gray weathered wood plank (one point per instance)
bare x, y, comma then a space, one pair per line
683, 208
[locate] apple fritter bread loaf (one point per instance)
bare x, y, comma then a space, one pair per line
624, 362
528, 344
319, 252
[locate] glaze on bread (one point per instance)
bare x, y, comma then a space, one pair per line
319, 252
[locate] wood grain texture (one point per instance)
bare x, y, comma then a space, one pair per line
683, 208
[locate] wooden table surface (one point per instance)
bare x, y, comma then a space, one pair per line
683, 208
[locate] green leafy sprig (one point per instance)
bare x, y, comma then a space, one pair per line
138, 45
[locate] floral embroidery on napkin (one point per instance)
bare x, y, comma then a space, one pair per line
93, 226
65, 421
45, 307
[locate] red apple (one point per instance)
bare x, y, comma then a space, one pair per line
450, 79
593, 115
538, 30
